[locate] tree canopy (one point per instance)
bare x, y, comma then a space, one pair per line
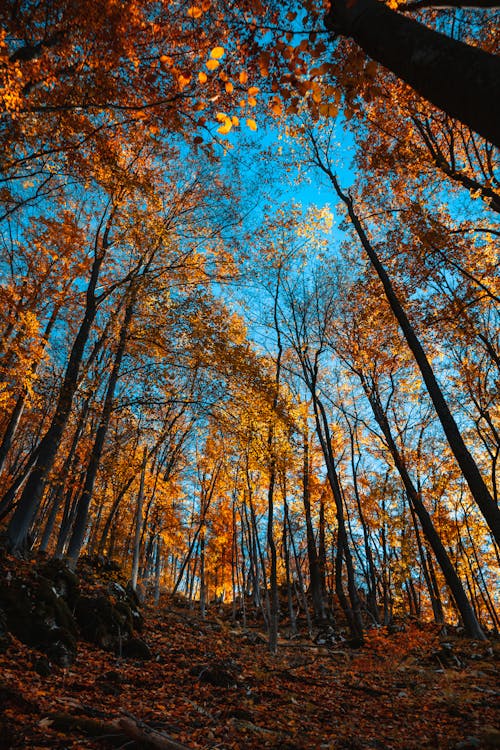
249, 335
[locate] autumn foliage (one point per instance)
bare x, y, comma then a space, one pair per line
249, 340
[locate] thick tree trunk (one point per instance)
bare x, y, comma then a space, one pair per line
461, 80
68, 470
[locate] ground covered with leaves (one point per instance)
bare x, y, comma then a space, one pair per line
212, 684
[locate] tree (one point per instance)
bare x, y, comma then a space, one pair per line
461, 80
465, 460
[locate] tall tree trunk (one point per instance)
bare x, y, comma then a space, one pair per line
18, 409
138, 522
315, 585
352, 609
461, 80
468, 466
29, 502
80, 524
470, 621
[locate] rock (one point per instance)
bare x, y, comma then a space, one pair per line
469, 743
42, 666
64, 582
100, 622
37, 616
62, 654
396, 627
446, 657
124, 616
218, 675
110, 683
490, 736
5, 638
242, 714
112, 675
116, 590
135, 596
136, 648
326, 636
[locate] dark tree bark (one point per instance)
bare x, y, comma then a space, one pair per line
315, 584
29, 502
80, 524
461, 80
18, 409
455, 585
465, 460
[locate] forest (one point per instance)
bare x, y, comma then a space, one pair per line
249, 373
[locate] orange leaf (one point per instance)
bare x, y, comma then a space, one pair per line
217, 53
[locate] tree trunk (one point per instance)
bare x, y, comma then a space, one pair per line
138, 521
18, 409
455, 585
315, 585
80, 524
468, 466
29, 502
461, 80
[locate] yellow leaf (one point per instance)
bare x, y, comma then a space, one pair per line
183, 81
217, 53
195, 12
221, 117
251, 124
253, 90
235, 120
202, 77
243, 77
212, 64
229, 87
224, 129
276, 106
252, 102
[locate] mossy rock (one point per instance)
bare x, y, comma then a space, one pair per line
61, 652
52, 605
126, 619
37, 616
102, 622
5, 639
136, 648
17, 603
64, 582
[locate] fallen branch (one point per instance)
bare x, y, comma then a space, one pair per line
149, 737
131, 729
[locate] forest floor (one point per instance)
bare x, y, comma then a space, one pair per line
214, 685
